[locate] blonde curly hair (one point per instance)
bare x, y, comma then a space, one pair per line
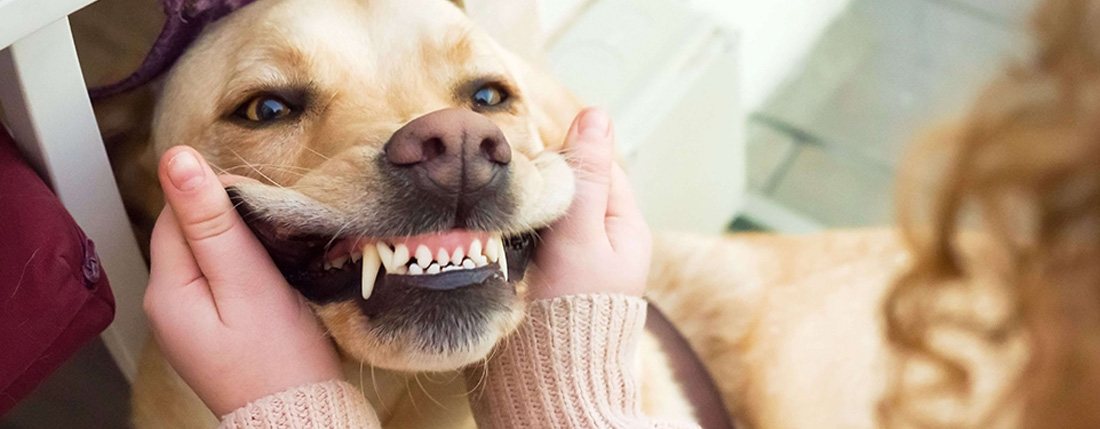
1022, 173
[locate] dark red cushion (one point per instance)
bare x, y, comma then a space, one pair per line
54, 296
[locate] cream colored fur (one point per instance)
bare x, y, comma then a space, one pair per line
789, 326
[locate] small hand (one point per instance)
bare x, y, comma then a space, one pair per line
224, 316
602, 245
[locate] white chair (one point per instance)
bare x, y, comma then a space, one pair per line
47, 110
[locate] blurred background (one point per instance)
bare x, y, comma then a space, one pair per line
829, 94
744, 115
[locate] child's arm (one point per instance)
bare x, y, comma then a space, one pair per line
225, 317
569, 364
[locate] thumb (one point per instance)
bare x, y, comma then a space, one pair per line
229, 255
590, 148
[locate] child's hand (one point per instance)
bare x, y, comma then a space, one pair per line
223, 315
602, 245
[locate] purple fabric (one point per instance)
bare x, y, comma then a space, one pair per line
186, 20
54, 296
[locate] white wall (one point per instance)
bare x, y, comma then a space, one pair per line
774, 36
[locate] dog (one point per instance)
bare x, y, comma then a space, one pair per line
402, 150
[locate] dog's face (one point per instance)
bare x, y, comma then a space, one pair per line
405, 157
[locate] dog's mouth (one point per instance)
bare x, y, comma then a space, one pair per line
440, 262
341, 266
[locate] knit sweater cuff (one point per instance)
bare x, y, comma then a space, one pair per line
332, 404
567, 365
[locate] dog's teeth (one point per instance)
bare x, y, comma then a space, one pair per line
475, 248
338, 263
326, 266
400, 255
433, 269
492, 248
371, 262
386, 254
423, 256
503, 261
401, 269
458, 256
356, 256
479, 260
451, 268
415, 270
442, 257
468, 264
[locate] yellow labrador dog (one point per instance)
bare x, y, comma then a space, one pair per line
406, 161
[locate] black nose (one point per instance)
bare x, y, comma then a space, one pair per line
457, 149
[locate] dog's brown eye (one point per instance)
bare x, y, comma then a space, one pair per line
490, 95
264, 108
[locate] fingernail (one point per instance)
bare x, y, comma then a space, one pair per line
595, 123
184, 171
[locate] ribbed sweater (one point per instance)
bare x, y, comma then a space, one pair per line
567, 366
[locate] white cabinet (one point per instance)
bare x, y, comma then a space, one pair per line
669, 76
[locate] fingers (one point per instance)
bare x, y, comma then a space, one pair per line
177, 287
224, 248
590, 145
624, 222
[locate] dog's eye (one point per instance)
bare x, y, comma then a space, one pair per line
263, 108
490, 95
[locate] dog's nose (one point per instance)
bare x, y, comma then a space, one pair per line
457, 149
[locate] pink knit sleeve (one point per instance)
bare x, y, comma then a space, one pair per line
329, 405
567, 366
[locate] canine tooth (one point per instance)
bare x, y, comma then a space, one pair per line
339, 262
433, 268
458, 256
400, 255
415, 270
371, 262
480, 260
503, 262
423, 256
475, 248
492, 248
468, 264
386, 254
442, 257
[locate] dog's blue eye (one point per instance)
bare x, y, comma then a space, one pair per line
264, 108
489, 95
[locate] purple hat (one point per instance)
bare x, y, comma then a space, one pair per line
186, 19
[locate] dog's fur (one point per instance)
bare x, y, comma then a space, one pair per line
787, 326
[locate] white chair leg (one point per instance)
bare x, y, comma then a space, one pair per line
47, 109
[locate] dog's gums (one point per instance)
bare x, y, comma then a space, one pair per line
328, 269
395, 256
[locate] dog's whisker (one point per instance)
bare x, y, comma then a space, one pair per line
281, 169
272, 165
412, 400
374, 381
313, 151
269, 179
216, 168
337, 234
428, 393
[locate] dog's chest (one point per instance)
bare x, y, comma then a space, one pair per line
414, 401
